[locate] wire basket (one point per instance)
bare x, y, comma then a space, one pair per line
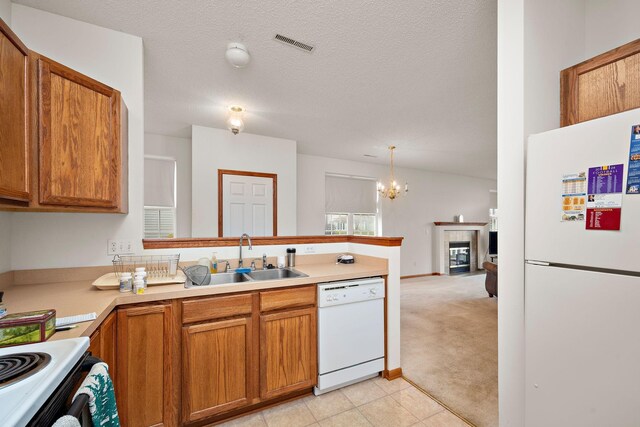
197, 275
155, 265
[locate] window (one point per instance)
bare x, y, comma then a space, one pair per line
351, 206
347, 223
159, 223
364, 224
336, 223
159, 197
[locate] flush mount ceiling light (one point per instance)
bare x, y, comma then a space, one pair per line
237, 55
235, 123
393, 190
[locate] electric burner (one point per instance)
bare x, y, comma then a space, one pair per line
18, 366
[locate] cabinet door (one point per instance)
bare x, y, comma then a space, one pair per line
94, 344
108, 336
216, 363
145, 385
79, 139
14, 116
288, 357
102, 343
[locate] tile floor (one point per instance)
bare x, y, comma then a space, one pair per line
375, 402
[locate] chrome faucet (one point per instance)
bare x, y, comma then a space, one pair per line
241, 243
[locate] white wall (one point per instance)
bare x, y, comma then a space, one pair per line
432, 197
178, 149
214, 149
536, 40
553, 40
42, 240
5, 11
511, 209
5, 241
610, 24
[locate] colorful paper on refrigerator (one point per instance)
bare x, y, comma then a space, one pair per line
633, 173
574, 196
604, 197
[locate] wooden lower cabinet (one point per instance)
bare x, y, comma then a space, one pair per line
216, 365
288, 352
103, 343
193, 361
108, 337
147, 360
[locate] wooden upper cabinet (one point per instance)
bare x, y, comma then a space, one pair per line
15, 113
288, 352
148, 352
603, 85
216, 362
81, 150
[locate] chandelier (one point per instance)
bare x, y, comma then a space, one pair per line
393, 190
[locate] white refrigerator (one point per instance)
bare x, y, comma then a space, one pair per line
582, 287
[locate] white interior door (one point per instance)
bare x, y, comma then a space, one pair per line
247, 205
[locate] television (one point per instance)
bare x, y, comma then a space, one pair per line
493, 243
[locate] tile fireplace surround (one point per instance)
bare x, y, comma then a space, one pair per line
444, 232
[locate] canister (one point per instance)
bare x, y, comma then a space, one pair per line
291, 257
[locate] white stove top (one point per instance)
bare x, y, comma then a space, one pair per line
20, 401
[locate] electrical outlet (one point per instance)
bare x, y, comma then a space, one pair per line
119, 247
112, 247
309, 249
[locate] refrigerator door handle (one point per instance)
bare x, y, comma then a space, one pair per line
533, 262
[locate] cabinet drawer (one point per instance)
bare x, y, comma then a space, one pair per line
288, 298
216, 307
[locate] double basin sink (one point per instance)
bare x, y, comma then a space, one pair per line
256, 275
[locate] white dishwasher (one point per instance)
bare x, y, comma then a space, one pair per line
350, 332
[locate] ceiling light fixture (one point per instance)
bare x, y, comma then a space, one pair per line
394, 190
237, 55
234, 121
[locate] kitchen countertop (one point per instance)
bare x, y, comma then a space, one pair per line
80, 297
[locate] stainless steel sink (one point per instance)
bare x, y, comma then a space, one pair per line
275, 274
223, 278
257, 275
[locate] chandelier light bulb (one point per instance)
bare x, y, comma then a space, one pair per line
394, 190
235, 123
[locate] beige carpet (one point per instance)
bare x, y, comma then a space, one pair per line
450, 343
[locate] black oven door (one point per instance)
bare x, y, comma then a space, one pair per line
59, 403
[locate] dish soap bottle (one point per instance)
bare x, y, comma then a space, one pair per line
214, 263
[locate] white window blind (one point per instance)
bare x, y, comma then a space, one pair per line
159, 182
345, 194
159, 223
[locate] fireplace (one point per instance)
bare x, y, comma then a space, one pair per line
459, 257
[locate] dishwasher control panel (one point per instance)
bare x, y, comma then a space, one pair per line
346, 292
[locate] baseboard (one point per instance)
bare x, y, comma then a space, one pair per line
413, 276
392, 374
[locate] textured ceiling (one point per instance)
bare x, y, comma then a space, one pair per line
418, 74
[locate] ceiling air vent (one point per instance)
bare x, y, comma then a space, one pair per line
294, 43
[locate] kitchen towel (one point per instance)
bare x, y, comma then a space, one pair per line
102, 399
